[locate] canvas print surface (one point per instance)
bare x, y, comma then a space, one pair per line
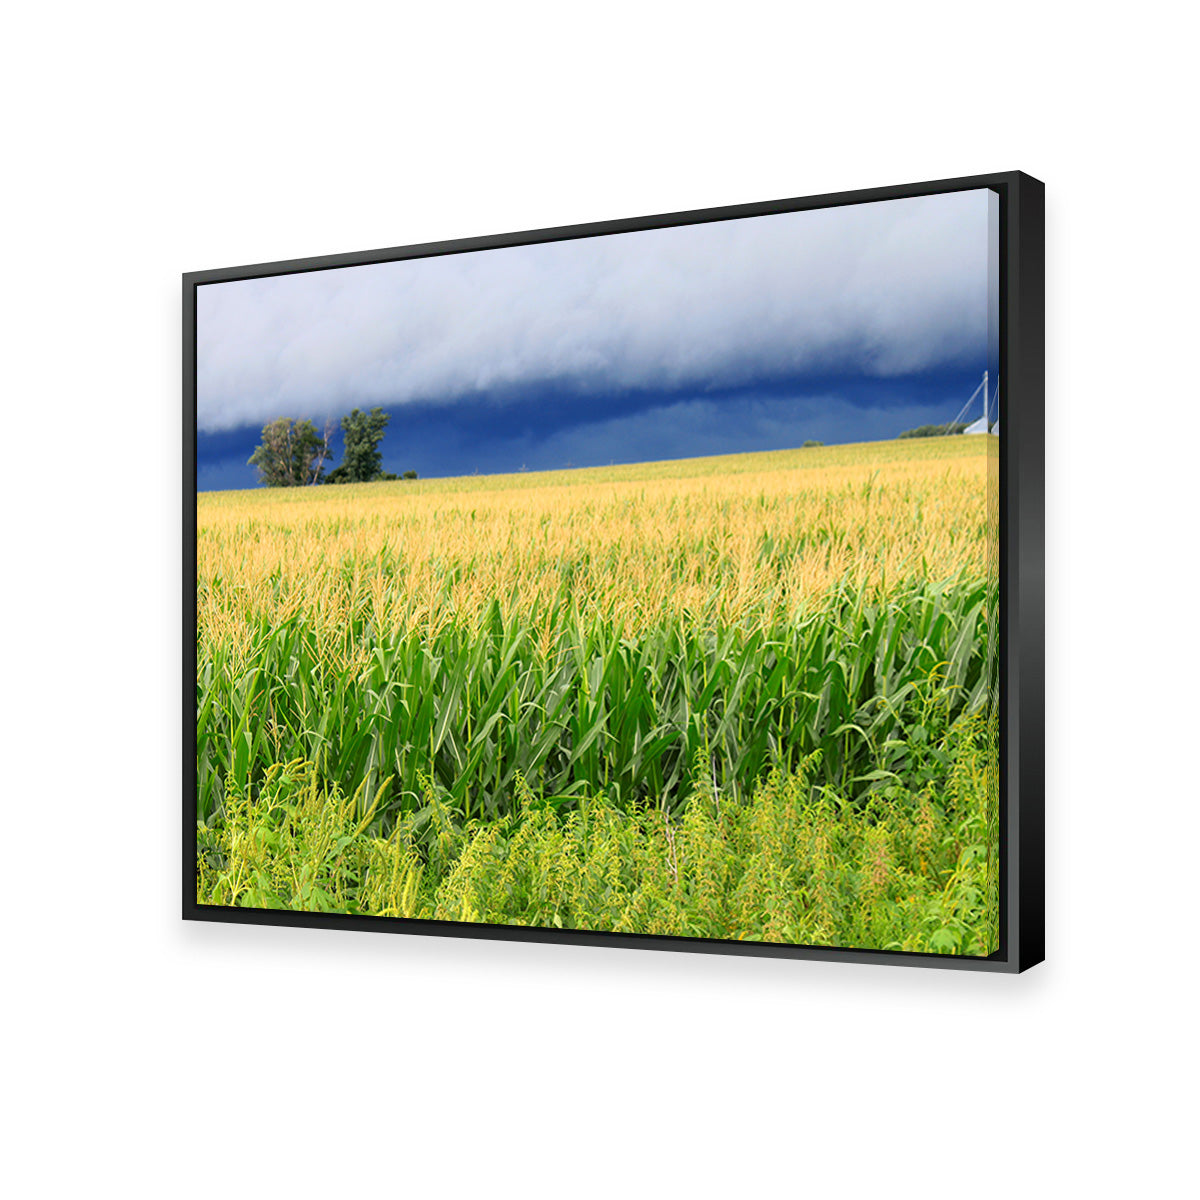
643, 582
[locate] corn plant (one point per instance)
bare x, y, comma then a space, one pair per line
458, 654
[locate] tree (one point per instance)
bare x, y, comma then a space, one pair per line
323, 452
291, 454
811, 443
934, 430
363, 433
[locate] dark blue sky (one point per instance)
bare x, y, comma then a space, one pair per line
841, 325
539, 431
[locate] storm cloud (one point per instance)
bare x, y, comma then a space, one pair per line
880, 290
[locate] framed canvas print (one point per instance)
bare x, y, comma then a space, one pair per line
672, 582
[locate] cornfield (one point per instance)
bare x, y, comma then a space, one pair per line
691, 671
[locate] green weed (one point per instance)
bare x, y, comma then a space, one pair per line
794, 861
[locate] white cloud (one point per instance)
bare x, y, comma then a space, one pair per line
885, 289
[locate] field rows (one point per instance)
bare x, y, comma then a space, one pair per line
740, 547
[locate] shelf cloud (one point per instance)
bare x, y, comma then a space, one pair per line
880, 290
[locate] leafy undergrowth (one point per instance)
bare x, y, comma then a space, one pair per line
907, 867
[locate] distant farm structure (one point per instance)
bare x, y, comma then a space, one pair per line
984, 424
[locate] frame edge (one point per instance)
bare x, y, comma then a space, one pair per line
1023, 476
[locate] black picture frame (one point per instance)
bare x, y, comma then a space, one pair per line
1022, 621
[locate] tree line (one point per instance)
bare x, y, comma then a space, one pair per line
934, 430
294, 453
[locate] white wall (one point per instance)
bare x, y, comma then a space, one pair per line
150, 1059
